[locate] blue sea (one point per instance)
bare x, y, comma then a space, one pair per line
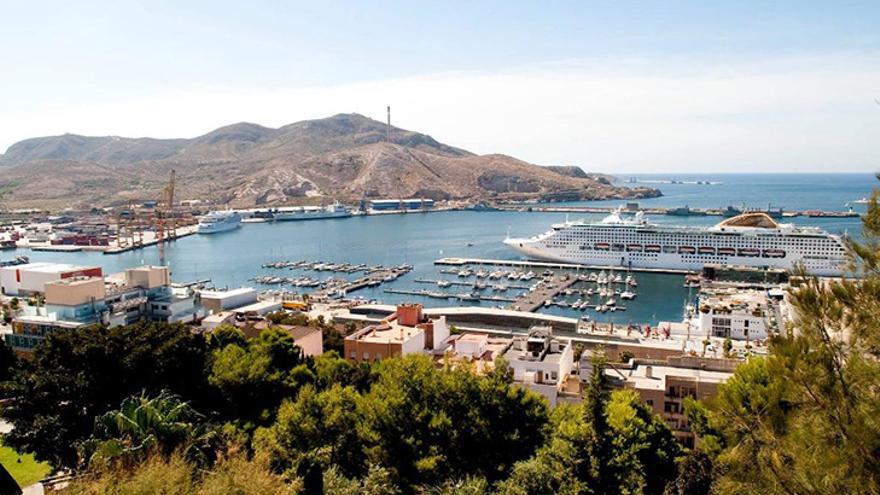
232, 259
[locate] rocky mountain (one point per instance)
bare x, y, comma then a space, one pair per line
346, 157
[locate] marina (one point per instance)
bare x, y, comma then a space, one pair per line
439, 243
550, 264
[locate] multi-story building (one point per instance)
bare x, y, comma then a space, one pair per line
665, 384
738, 314
541, 362
72, 302
401, 204
407, 331
28, 279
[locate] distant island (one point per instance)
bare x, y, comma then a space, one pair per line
345, 157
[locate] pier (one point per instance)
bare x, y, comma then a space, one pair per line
700, 212
552, 264
532, 301
449, 295
466, 284
340, 288
181, 232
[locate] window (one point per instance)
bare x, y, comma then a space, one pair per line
670, 407
353, 355
366, 356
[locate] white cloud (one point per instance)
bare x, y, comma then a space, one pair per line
813, 113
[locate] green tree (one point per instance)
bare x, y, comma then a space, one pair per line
255, 377
376, 482
224, 335
146, 425
611, 444
427, 425
8, 363
804, 419
76, 375
316, 431
694, 475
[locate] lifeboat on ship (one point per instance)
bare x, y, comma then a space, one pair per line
602, 246
686, 250
652, 248
774, 253
727, 251
749, 252
634, 248
706, 250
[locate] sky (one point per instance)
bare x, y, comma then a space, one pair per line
611, 86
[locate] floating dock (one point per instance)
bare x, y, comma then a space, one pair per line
449, 295
534, 300
552, 264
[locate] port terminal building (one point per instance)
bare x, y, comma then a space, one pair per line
400, 204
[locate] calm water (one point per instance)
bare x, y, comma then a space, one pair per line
231, 259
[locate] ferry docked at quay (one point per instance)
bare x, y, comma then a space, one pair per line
336, 210
751, 239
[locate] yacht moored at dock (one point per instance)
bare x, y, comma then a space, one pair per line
219, 221
751, 239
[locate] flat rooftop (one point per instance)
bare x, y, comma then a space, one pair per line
48, 320
259, 306
734, 297
74, 281
637, 376
218, 317
384, 333
223, 294
549, 356
48, 267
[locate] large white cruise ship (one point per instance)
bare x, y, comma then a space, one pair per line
219, 221
336, 210
750, 239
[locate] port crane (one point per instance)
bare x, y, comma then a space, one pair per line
166, 222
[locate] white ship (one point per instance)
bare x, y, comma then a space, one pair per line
751, 239
336, 210
219, 221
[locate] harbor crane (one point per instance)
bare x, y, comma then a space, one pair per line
166, 222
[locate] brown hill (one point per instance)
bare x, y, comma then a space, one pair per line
344, 157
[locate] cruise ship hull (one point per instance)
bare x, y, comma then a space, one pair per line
659, 261
751, 240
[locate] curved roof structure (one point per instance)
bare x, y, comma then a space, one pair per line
753, 219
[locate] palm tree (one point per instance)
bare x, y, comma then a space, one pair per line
144, 425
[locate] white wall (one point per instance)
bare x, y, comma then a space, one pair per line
441, 332
414, 344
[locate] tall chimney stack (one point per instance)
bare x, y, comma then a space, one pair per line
388, 129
